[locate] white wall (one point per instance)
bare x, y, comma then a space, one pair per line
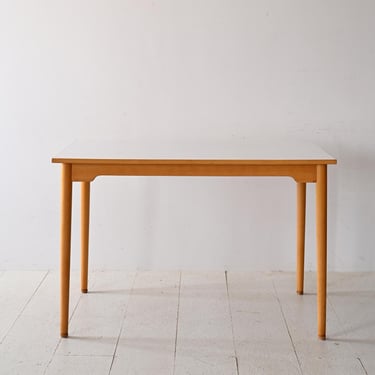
173, 69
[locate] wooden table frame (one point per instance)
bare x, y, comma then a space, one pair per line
85, 170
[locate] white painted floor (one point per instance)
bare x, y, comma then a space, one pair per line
186, 323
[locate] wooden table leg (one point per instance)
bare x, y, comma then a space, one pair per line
321, 240
66, 220
85, 223
301, 215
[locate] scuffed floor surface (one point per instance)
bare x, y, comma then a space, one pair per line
186, 323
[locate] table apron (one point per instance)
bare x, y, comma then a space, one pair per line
88, 172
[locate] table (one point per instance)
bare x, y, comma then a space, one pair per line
83, 161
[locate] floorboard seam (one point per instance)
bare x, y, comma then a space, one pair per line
231, 324
335, 312
59, 341
52, 357
287, 327
177, 320
24, 307
337, 317
75, 308
122, 324
345, 334
363, 367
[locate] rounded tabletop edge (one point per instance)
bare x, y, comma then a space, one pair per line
96, 161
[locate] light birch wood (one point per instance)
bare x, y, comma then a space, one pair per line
301, 217
85, 223
85, 161
321, 241
92, 159
88, 172
66, 219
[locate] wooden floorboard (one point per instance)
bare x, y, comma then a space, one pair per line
16, 290
90, 365
97, 320
147, 341
315, 356
204, 337
177, 323
30, 344
352, 298
261, 337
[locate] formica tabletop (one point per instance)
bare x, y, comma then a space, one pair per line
247, 152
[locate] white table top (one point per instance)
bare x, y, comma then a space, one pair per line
246, 151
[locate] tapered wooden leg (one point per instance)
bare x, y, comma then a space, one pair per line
301, 215
66, 220
85, 223
321, 240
